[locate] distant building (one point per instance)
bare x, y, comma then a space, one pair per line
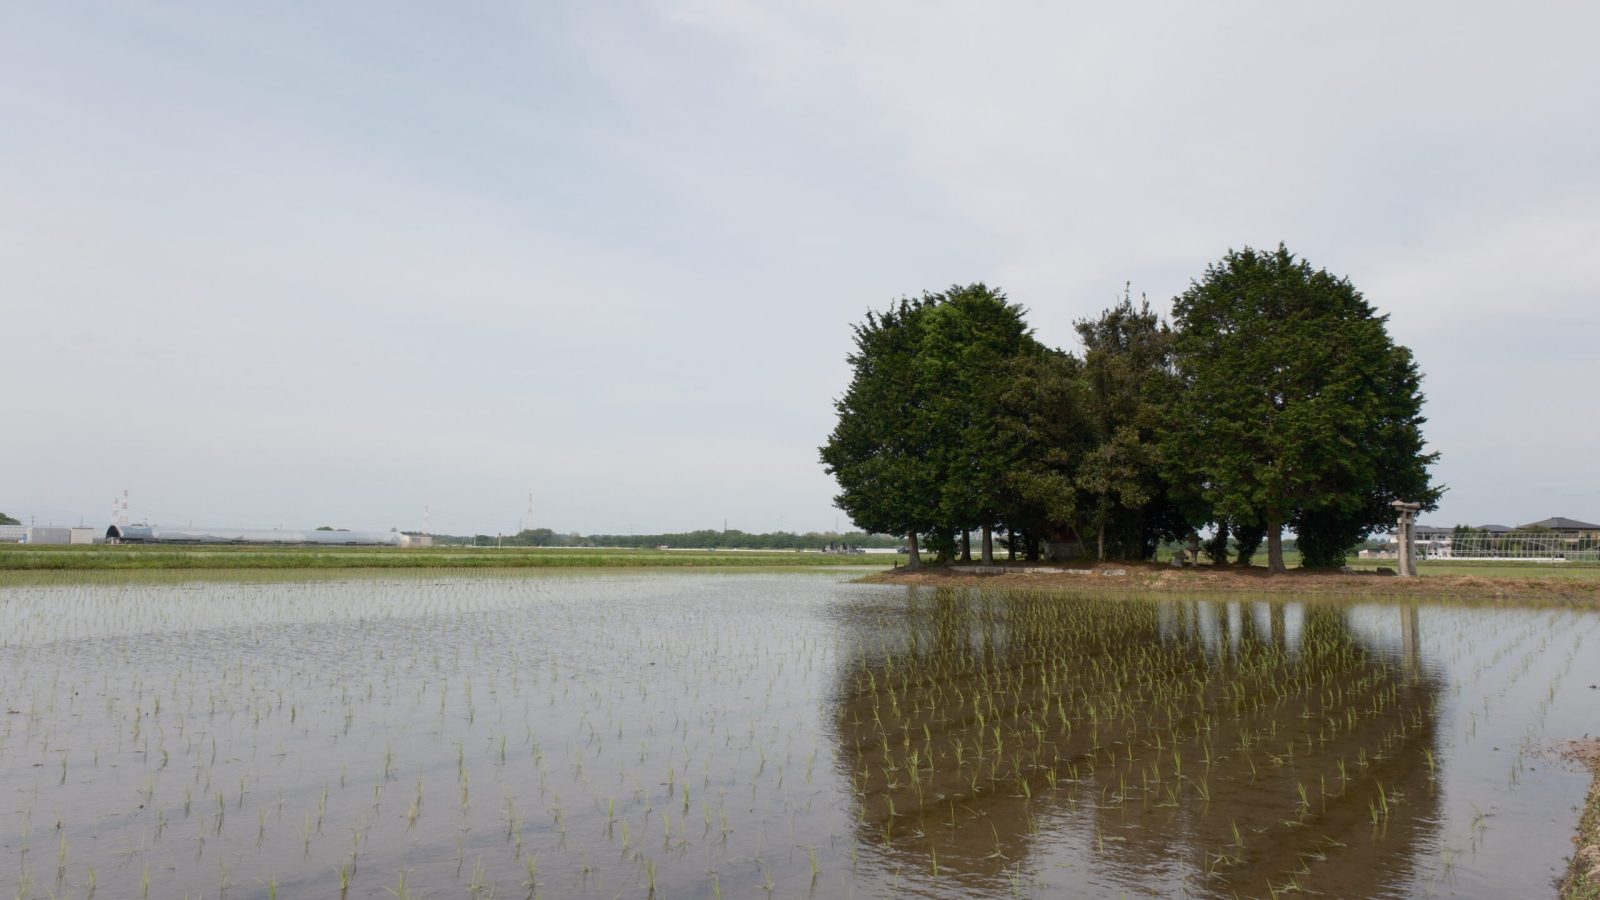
49, 536
1431, 541
149, 534
1497, 540
46, 534
1556, 538
1567, 528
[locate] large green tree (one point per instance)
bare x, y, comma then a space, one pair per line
879, 449
1296, 407
920, 448
1127, 384
7, 520
971, 336
1040, 412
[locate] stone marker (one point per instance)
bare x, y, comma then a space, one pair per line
1405, 536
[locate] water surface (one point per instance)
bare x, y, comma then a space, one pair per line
784, 734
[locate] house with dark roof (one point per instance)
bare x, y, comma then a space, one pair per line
1557, 537
1572, 529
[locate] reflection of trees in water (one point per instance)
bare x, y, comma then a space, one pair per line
1209, 742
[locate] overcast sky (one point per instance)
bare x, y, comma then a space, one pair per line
332, 263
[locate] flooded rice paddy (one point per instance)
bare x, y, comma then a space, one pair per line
784, 734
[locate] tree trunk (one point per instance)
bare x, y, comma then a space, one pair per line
1217, 547
1011, 545
1101, 553
1275, 547
988, 545
915, 562
966, 546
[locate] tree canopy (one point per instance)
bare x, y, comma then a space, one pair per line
878, 451
7, 520
1297, 407
917, 449
1127, 384
1275, 399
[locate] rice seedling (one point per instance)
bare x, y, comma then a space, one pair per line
948, 740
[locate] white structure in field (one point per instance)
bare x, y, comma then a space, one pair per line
1556, 539
149, 534
33, 534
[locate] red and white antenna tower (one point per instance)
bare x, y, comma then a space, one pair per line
425, 520
119, 509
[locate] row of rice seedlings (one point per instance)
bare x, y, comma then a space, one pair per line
225, 720
1035, 706
626, 735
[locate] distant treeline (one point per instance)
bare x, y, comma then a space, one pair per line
732, 539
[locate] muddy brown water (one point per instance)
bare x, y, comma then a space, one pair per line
775, 734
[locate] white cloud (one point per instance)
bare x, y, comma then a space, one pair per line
617, 253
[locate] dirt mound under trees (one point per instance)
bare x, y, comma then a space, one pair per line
1150, 578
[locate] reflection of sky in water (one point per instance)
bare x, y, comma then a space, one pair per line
743, 731
1438, 831
1517, 685
1158, 838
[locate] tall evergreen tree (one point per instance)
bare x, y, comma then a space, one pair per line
1040, 411
1127, 385
921, 447
970, 337
879, 449
1298, 408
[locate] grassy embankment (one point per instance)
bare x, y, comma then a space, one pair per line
1583, 873
19, 557
1538, 584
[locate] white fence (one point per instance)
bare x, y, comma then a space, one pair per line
1514, 546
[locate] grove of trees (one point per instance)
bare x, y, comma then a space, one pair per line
1275, 399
